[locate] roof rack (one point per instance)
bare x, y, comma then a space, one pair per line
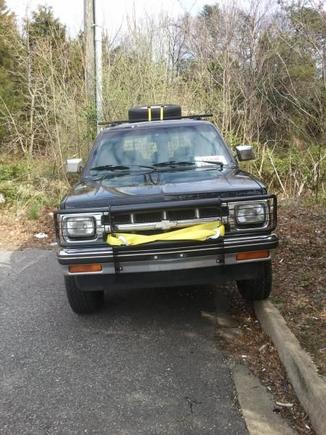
114, 123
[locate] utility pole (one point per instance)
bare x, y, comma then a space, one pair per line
93, 59
89, 32
98, 73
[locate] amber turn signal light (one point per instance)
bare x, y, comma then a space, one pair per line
79, 268
252, 255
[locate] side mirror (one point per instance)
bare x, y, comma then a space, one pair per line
245, 152
74, 166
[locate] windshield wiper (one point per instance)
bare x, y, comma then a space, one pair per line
119, 167
109, 168
144, 166
213, 162
173, 164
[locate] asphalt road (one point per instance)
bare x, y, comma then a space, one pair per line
147, 364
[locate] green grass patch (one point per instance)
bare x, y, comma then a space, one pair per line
30, 186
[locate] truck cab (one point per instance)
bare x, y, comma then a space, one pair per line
162, 201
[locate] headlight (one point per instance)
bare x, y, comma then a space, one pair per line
79, 227
250, 214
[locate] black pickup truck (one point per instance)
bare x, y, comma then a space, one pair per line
162, 202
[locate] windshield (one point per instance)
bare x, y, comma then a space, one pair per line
162, 146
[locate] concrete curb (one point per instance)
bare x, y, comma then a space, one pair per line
257, 405
302, 373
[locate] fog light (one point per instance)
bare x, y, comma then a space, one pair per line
82, 268
252, 255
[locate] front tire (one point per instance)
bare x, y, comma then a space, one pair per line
82, 302
259, 288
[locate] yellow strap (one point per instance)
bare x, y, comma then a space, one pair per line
200, 232
161, 113
149, 113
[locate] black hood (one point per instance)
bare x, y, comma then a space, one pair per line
132, 188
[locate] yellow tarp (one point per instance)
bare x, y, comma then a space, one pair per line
201, 232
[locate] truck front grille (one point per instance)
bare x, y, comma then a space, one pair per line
166, 219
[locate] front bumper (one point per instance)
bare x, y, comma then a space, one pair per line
163, 258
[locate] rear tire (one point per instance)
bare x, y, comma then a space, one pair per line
82, 302
260, 287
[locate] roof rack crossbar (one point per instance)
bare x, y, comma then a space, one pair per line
113, 123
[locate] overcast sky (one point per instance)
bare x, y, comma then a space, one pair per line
110, 13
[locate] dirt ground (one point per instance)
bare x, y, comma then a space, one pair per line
18, 232
299, 289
